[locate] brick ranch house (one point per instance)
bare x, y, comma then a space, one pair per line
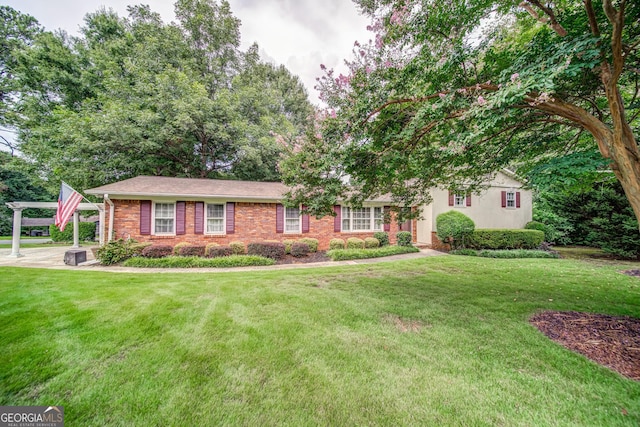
168, 210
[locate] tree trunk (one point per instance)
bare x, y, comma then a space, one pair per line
626, 167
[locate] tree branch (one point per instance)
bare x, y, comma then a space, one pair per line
550, 18
591, 13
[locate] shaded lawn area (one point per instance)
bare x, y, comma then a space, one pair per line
433, 341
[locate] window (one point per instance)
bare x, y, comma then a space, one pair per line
215, 219
292, 220
362, 219
511, 199
164, 218
459, 200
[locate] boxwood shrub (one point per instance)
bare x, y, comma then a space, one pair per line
300, 249
382, 237
404, 238
219, 251
287, 245
208, 248
177, 247
355, 243
371, 242
336, 244
273, 250
157, 251
505, 239
192, 250
238, 248
313, 243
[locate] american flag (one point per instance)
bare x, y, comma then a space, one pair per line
68, 201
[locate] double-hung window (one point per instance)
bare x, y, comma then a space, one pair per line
164, 218
511, 199
215, 218
459, 200
362, 219
292, 220
378, 218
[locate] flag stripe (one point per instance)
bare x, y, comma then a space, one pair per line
68, 202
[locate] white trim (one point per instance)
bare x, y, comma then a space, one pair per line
153, 218
224, 219
372, 219
284, 220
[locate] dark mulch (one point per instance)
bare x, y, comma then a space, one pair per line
634, 273
319, 256
608, 340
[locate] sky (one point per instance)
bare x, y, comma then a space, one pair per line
300, 34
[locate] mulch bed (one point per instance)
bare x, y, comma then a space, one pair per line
319, 256
633, 273
608, 340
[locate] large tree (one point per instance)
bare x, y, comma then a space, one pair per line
134, 95
449, 92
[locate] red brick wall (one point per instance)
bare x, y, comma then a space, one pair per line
254, 222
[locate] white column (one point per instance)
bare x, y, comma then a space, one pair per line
76, 230
101, 227
17, 228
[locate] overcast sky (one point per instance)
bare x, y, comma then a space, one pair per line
301, 34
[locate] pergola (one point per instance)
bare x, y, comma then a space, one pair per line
18, 207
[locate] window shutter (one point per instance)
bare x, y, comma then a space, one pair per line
279, 218
451, 198
387, 225
145, 217
181, 218
198, 226
504, 199
468, 199
231, 217
337, 220
517, 199
305, 221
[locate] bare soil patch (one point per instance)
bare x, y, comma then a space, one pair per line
319, 256
612, 341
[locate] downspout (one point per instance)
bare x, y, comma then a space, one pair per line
111, 213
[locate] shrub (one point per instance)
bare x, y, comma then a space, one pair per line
517, 253
157, 251
454, 227
273, 250
355, 243
336, 244
348, 254
535, 225
115, 251
176, 248
86, 232
198, 262
506, 239
192, 250
382, 237
313, 243
208, 248
137, 248
300, 249
287, 245
465, 252
238, 248
220, 251
403, 238
371, 242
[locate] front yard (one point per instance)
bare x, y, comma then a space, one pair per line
433, 341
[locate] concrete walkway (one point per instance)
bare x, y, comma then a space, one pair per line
53, 258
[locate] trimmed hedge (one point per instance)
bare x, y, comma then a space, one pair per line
208, 248
157, 251
220, 251
198, 262
273, 250
192, 250
300, 249
455, 228
86, 232
404, 238
336, 244
355, 243
313, 243
238, 248
348, 254
176, 248
371, 242
505, 239
287, 245
382, 237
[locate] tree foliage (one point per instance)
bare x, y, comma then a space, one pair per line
447, 93
134, 96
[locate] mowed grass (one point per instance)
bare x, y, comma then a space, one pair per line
435, 341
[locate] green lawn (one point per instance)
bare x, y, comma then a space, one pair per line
435, 341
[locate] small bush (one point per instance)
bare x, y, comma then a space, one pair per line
505, 239
219, 251
517, 253
176, 248
313, 243
348, 254
287, 245
238, 248
300, 249
536, 225
208, 248
355, 243
86, 232
136, 248
454, 227
198, 262
403, 238
382, 237
371, 242
115, 251
336, 244
192, 250
273, 250
465, 252
157, 251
